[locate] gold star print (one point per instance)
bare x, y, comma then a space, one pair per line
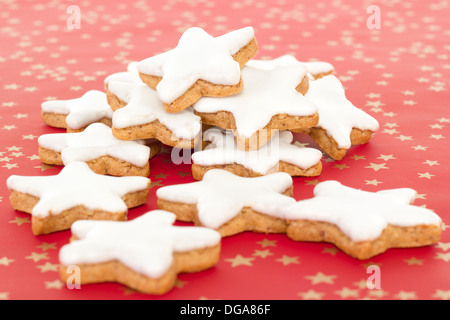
267, 243
390, 125
33, 157
321, 278
5, 261
45, 166
48, 267
362, 284
443, 246
37, 256
183, 174
46, 246
436, 126
443, 256
156, 183
413, 261
386, 157
341, 166
376, 166
347, 293
311, 182
262, 253
355, 157
160, 176
379, 293
240, 261
404, 138
426, 175
431, 163
4, 295
10, 165
437, 136
311, 295
373, 182
419, 147
57, 284
20, 221
286, 260
330, 250
405, 295
442, 294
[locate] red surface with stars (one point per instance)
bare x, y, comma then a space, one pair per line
399, 74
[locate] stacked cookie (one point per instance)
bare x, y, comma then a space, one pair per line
238, 116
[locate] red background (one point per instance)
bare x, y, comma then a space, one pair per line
399, 74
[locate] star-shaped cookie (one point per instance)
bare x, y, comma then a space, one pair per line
229, 203
145, 254
130, 76
200, 65
76, 114
361, 223
278, 155
55, 202
316, 69
96, 146
141, 115
341, 124
270, 101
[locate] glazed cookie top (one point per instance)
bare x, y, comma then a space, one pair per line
143, 106
198, 55
314, 67
90, 107
337, 115
131, 75
94, 142
145, 244
221, 195
76, 184
266, 93
361, 215
223, 150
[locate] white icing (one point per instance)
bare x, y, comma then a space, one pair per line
198, 55
145, 244
266, 93
143, 106
89, 108
221, 195
223, 150
130, 76
314, 67
76, 184
94, 142
337, 115
361, 215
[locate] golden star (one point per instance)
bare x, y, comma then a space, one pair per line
240, 261
330, 250
156, 183
419, 147
267, 243
57, 284
431, 163
404, 138
341, 166
442, 294
46, 246
311, 182
443, 246
379, 293
5, 261
426, 175
48, 267
413, 261
160, 176
20, 221
37, 256
386, 157
376, 166
374, 182
404, 295
362, 284
437, 136
347, 293
321, 278
183, 174
311, 295
286, 260
355, 157
443, 256
263, 253
4, 295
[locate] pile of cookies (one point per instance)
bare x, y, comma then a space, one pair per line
237, 116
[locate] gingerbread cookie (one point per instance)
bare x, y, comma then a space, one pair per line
139, 114
230, 204
76, 114
200, 65
100, 150
145, 254
76, 193
278, 155
316, 69
361, 223
271, 100
341, 124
